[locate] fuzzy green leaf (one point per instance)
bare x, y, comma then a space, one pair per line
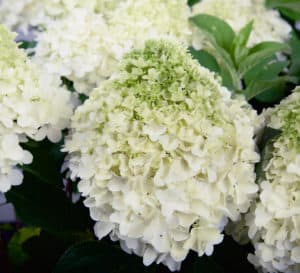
290, 8
256, 88
227, 72
240, 49
294, 43
258, 53
222, 32
272, 95
205, 59
267, 69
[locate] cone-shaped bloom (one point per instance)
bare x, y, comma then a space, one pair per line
164, 154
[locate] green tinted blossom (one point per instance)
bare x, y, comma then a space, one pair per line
164, 154
287, 119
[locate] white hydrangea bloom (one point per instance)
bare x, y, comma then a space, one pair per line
31, 105
164, 154
20, 14
89, 51
268, 26
78, 51
274, 221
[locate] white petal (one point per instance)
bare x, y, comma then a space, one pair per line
102, 229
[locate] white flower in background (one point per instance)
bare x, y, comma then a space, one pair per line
164, 155
274, 221
21, 14
268, 26
89, 51
31, 105
78, 51
137, 21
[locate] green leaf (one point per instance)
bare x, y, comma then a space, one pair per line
222, 32
267, 69
99, 257
40, 201
27, 44
47, 162
43, 252
294, 43
240, 49
290, 8
43, 205
205, 59
291, 4
15, 246
268, 46
228, 72
227, 79
193, 2
290, 13
227, 69
258, 53
273, 95
256, 88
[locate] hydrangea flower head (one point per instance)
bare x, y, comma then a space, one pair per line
164, 154
94, 46
31, 105
274, 221
267, 24
22, 14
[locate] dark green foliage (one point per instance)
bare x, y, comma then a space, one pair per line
40, 201
99, 257
256, 72
193, 2
289, 8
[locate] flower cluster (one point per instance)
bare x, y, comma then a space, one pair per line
89, 51
267, 23
21, 14
274, 221
164, 155
31, 105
